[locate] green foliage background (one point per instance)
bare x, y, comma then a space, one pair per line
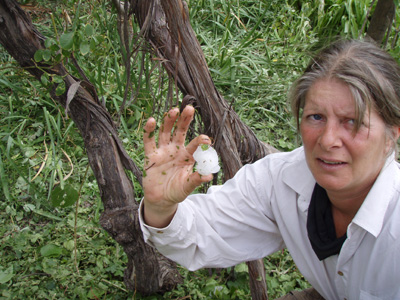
52, 246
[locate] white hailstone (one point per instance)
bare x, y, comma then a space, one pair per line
207, 160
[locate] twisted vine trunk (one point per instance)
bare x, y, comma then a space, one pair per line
167, 27
381, 20
168, 30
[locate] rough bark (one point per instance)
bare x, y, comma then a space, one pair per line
166, 26
147, 272
381, 20
258, 286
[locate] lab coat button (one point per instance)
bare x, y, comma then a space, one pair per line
340, 273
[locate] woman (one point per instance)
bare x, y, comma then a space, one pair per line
334, 203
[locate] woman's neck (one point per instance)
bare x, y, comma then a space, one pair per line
344, 209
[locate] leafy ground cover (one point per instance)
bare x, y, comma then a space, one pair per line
55, 249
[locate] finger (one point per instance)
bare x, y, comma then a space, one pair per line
200, 140
166, 128
195, 179
148, 136
182, 125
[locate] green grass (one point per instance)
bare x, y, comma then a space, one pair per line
254, 49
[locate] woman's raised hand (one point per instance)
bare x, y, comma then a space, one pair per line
168, 168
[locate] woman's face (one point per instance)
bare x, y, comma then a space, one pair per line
344, 162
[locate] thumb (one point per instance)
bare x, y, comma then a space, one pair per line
194, 180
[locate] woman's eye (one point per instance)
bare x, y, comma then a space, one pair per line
351, 121
315, 117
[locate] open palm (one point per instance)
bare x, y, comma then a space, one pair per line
168, 166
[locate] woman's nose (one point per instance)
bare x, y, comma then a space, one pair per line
330, 137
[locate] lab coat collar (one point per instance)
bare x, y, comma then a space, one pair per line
299, 178
372, 212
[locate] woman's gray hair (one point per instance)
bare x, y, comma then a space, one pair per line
372, 75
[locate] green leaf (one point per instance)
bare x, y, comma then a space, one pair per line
3, 180
6, 275
241, 268
65, 53
58, 58
93, 44
84, 48
89, 30
48, 43
47, 215
50, 250
38, 56
51, 44
29, 207
67, 40
46, 54
60, 89
44, 79
29, 152
58, 79
69, 245
64, 197
205, 147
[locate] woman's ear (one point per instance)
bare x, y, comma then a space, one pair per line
394, 135
397, 132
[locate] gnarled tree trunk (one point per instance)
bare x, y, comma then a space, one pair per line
381, 20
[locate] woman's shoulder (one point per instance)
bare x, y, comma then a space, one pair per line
289, 168
277, 166
281, 159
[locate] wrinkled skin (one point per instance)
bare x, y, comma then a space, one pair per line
169, 176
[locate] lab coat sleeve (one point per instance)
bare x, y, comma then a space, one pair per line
230, 224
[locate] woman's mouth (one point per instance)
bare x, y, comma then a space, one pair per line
330, 162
